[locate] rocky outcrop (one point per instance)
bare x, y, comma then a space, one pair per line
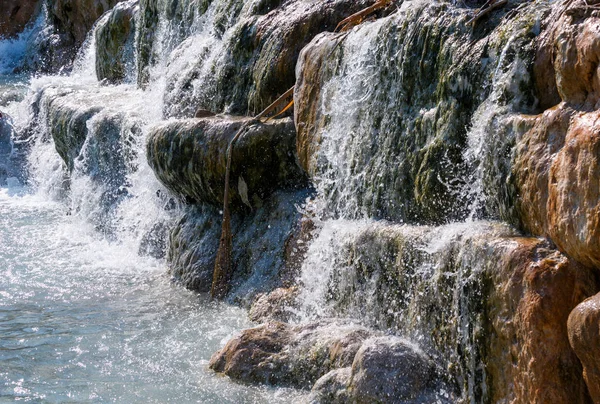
54, 48
529, 358
115, 51
490, 307
584, 335
557, 165
259, 255
413, 134
385, 369
189, 158
281, 354
15, 15
253, 64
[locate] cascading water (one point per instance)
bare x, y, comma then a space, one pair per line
86, 311
411, 124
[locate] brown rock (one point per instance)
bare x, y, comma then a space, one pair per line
557, 164
584, 335
277, 353
558, 175
307, 94
387, 369
15, 14
76, 17
531, 360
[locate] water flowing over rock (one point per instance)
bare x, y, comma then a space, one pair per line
389, 139
115, 39
425, 229
189, 157
55, 47
245, 54
15, 15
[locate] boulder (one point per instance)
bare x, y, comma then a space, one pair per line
332, 388
282, 354
189, 158
387, 369
115, 50
584, 335
15, 15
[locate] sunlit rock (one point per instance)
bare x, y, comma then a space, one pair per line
282, 354
557, 167
274, 306
488, 306
189, 158
584, 335
115, 53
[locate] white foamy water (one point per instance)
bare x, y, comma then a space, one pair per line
84, 320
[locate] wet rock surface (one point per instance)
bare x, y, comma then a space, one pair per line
258, 245
489, 305
115, 39
257, 62
403, 149
274, 306
584, 335
189, 158
15, 15
282, 354
56, 46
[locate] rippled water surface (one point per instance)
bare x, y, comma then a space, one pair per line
83, 320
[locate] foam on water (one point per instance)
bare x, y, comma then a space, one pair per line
87, 320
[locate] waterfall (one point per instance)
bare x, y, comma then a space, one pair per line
403, 230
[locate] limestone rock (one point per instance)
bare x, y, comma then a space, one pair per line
76, 17
584, 335
115, 53
15, 15
332, 388
257, 62
189, 158
281, 354
259, 241
399, 143
57, 44
531, 360
557, 164
389, 369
